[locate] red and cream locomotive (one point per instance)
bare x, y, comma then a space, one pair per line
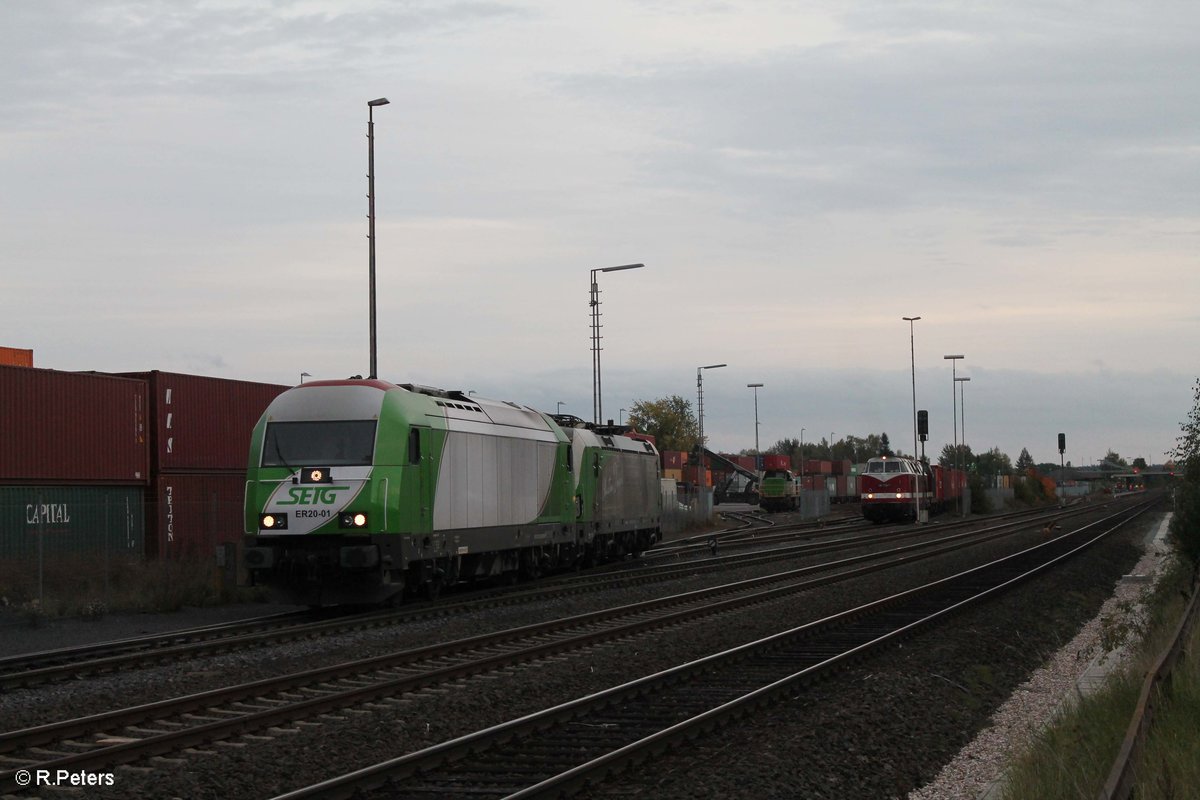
894, 487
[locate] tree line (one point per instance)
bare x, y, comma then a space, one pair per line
671, 421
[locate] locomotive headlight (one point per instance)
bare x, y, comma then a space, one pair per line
352, 519
272, 522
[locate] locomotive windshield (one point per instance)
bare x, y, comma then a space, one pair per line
327, 443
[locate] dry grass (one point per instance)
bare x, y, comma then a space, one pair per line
78, 586
1072, 757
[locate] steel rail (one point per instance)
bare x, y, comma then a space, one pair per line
694, 604
619, 709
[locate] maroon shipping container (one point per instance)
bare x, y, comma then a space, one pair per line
841, 467
776, 461
813, 466
189, 514
200, 423
72, 427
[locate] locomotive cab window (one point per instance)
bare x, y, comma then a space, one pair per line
329, 443
894, 466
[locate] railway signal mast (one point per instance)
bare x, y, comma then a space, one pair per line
1062, 469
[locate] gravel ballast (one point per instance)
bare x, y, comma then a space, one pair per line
882, 729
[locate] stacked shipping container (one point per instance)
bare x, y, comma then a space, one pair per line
74, 462
199, 437
149, 463
16, 357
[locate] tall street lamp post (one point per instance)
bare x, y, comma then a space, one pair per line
962, 412
954, 401
755, 387
560, 405
371, 104
700, 481
594, 301
802, 458
621, 418
912, 353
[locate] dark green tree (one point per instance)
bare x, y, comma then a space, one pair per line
1139, 463
885, 449
669, 420
1113, 460
1185, 523
785, 447
966, 459
1024, 461
993, 462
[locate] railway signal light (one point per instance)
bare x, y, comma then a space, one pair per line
923, 425
1062, 443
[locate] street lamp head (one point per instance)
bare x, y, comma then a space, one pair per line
951, 357
754, 385
960, 380
713, 366
382, 101
623, 266
910, 319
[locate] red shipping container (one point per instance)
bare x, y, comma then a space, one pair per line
15, 357
640, 437
189, 514
72, 427
841, 467
673, 459
201, 423
776, 461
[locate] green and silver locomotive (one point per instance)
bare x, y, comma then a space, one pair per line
361, 491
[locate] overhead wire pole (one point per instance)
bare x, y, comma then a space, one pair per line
962, 411
700, 481
594, 301
755, 387
912, 350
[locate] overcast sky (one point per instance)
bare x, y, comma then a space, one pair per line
183, 187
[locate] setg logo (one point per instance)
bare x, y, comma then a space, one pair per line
312, 495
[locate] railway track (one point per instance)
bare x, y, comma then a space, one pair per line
135, 734
575, 744
72, 663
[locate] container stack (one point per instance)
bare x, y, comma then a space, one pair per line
199, 439
74, 464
